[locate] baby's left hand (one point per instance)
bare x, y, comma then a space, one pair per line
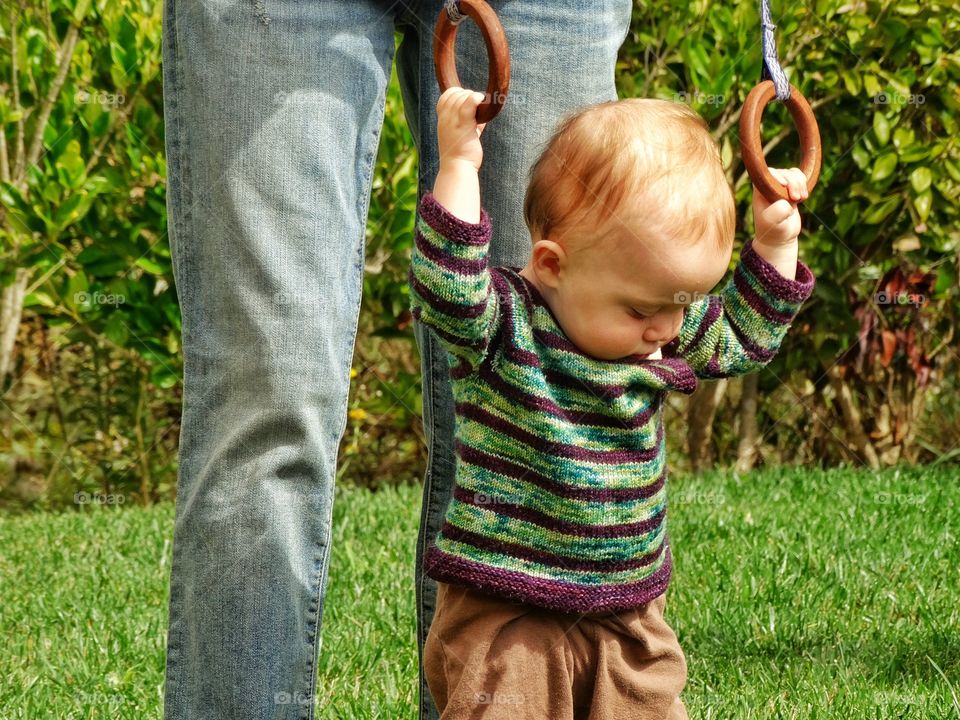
458, 133
778, 223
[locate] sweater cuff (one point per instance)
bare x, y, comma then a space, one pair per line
450, 226
775, 283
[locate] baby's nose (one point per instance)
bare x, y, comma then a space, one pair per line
659, 336
663, 329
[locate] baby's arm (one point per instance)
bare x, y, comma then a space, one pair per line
450, 284
740, 329
457, 186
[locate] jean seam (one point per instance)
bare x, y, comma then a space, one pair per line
427, 504
428, 359
174, 648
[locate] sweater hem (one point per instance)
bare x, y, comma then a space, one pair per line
777, 285
452, 227
555, 595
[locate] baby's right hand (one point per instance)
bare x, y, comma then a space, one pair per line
458, 134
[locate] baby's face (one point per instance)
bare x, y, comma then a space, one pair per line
612, 306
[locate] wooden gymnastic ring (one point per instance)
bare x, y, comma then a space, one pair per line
751, 146
444, 55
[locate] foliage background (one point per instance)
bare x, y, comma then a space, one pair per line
90, 400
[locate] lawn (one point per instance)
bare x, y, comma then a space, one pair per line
797, 593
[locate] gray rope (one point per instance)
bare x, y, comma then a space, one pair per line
453, 12
771, 66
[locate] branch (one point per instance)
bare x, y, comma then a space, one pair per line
795, 49
17, 108
726, 122
66, 56
118, 122
50, 271
944, 343
4, 161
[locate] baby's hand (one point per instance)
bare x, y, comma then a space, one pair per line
458, 134
778, 223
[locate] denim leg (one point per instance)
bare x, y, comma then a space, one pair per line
273, 113
562, 56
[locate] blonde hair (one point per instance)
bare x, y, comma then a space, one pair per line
627, 162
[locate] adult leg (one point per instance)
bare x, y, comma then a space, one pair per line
273, 114
563, 56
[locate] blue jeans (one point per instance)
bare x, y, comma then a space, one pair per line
273, 111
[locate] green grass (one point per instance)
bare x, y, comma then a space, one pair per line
796, 594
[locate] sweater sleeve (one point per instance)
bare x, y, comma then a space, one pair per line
740, 329
450, 285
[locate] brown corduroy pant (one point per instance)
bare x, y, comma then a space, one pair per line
486, 658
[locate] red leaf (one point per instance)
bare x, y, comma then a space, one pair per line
889, 345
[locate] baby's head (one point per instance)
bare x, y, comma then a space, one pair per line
632, 218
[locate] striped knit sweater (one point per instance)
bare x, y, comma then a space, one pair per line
560, 498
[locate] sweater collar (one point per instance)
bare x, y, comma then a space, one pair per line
666, 373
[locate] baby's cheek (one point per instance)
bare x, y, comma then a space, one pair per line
599, 327
626, 333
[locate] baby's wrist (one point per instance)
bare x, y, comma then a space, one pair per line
771, 240
457, 165
457, 188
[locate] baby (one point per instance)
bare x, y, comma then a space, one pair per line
553, 559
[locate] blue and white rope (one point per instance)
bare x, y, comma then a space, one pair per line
771, 66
